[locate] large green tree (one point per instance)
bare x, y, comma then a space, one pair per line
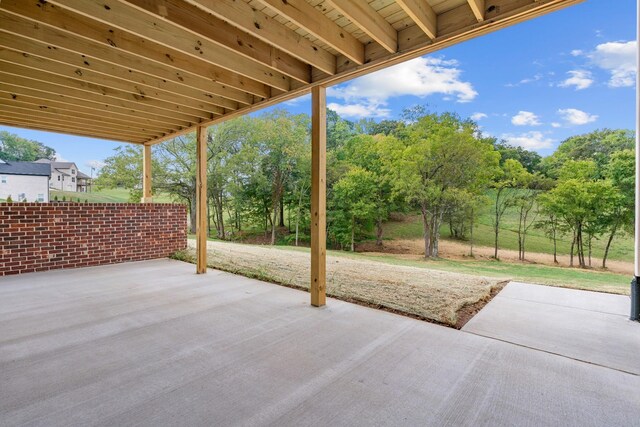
16, 148
438, 160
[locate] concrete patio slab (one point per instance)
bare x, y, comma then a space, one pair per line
151, 343
589, 326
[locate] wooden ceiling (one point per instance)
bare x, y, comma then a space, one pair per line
143, 71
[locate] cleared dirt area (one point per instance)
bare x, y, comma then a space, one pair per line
439, 296
458, 250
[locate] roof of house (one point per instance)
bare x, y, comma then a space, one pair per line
57, 165
83, 175
25, 168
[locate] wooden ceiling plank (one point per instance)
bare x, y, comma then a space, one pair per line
422, 14
316, 23
44, 75
203, 24
64, 85
95, 114
45, 90
124, 16
44, 125
256, 23
112, 45
478, 7
369, 21
44, 111
145, 88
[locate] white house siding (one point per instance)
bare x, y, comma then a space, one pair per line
32, 187
63, 182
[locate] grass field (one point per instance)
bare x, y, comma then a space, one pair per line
411, 228
103, 195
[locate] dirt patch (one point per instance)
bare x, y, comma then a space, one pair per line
433, 295
467, 312
452, 249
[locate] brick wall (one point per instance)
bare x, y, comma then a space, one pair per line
46, 236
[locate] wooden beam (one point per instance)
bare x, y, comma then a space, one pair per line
146, 175
478, 7
201, 199
119, 14
79, 130
131, 108
369, 21
206, 25
318, 196
256, 23
422, 14
95, 39
78, 105
316, 23
46, 112
196, 107
139, 100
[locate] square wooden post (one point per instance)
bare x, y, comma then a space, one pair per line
201, 200
146, 174
318, 196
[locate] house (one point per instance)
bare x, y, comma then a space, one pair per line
65, 176
24, 181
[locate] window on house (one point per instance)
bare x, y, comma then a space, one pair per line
41, 197
3, 179
22, 197
58, 177
73, 180
73, 171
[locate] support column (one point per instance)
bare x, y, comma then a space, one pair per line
146, 175
201, 200
635, 283
318, 196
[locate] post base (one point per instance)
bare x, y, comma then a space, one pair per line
635, 299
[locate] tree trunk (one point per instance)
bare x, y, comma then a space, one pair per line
192, 213
353, 233
471, 236
606, 249
298, 216
573, 243
281, 211
379, 232
496, 225
426, 232
555, 247
273, 223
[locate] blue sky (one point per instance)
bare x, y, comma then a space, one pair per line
533, 84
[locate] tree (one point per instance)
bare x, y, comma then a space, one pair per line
529, 159
16, 148
280, 138
353, 204
507, 179
124, 169
438, 161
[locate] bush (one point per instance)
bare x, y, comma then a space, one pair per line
9, 199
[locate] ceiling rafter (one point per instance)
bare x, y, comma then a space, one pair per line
477, 6
256, 23
422, 14
369, 21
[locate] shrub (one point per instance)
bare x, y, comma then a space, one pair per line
9, 199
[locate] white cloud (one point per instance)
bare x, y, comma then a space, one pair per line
96, 164
619, 59
526, 80
525, 118
533, 140
556, 125
478, 116
360, 110
59, 158
576, 52
576, 117
580, 79
298, 100
419, 77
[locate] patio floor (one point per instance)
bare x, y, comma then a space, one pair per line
151, 343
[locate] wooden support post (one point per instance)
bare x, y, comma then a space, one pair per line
146, 174
201, 200
318, 196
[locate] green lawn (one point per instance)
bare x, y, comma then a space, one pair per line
621, 248
104, 195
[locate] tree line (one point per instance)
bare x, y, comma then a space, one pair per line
439, 165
